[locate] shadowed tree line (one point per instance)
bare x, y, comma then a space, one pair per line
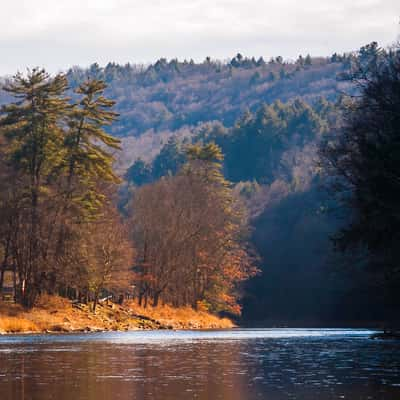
362, 166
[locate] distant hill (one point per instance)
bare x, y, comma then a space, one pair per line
172, 97
169, 95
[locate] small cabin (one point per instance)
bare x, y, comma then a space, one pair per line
7, 293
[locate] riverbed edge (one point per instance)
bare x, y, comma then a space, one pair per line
58, 315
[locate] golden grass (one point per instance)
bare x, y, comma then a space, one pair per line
51, 303
17, 325
56, 314
51, 313
182, 317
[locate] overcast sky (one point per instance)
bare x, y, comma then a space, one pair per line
57, 34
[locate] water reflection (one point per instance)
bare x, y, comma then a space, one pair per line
243, 365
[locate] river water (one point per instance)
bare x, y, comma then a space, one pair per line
240, 364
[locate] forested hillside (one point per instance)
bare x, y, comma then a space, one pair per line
271, 156
172, 97
220, 165
169, 95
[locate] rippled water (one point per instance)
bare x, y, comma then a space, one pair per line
269, 364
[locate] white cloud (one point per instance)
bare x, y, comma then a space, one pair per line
57, 34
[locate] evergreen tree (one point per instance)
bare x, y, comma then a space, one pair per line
139, 173
32, 126
58, 154
87, 145
169, 160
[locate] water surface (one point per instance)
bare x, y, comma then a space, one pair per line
242, 364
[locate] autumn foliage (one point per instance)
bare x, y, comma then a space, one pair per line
183, 243
190, 235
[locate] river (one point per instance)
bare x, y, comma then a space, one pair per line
239, 364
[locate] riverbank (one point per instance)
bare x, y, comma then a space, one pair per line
56, 314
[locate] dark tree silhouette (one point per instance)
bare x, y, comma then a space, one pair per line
363, 163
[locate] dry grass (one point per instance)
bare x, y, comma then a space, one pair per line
17, 325
56, 314
182, 317
52, 313
51, 303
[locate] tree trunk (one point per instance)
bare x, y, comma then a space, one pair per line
15, 282
140, 299
156, 298
29, 296
2, 278
95, 301
4, 265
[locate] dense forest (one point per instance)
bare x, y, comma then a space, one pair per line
221, 185
62, 233
272, 156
